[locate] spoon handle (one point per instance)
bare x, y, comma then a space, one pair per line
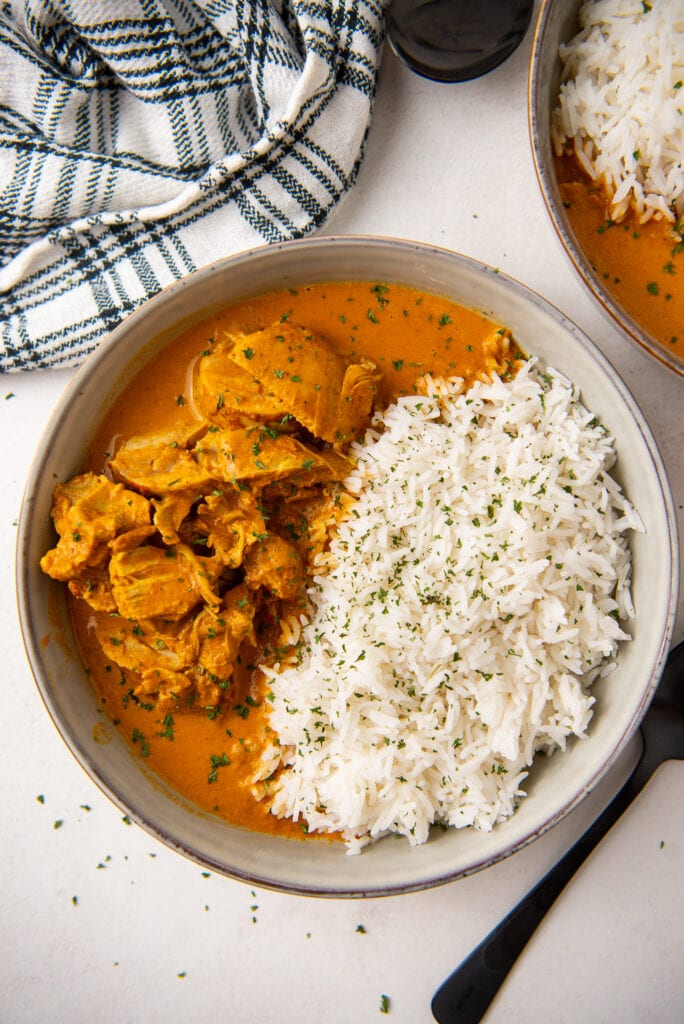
466, 994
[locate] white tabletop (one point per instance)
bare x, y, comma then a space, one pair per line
100, 923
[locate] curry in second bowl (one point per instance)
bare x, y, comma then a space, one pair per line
617, 132
343, 559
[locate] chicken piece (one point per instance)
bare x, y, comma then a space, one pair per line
234, 455
169, 513
148, 643
219, 637
157, 464
496, 349
96, 589
238, 611
274, 564
217, 640
332, 399
324, 466
158, 669
131, 539
89, 512
93, 584
151, 582
259, 457
327, 467
147, 646
337, 466
193, 660
227, 395
165, 687
357, 399
307, 520
232, 522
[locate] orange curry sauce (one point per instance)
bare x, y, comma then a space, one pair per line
208, 758
642, 265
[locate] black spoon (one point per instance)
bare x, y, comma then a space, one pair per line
466, 994
455, 40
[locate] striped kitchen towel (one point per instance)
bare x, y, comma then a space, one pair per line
142, 139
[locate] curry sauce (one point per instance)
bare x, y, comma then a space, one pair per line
641, 265
370, 339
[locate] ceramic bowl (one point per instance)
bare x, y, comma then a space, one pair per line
556, 784
557, 23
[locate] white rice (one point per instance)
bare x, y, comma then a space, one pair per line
471, 597
622, 103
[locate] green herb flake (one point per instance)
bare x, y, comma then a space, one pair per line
138, 737
380, 292
217, 761
384, 1004
167, 732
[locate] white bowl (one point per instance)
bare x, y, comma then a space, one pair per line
556, 784
557, 23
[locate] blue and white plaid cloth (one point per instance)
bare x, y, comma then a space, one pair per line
142, 139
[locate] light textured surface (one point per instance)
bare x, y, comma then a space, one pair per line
449, 165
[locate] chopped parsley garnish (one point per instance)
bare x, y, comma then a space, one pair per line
217, 761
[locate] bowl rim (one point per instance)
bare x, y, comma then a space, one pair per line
629, 327
32, 641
